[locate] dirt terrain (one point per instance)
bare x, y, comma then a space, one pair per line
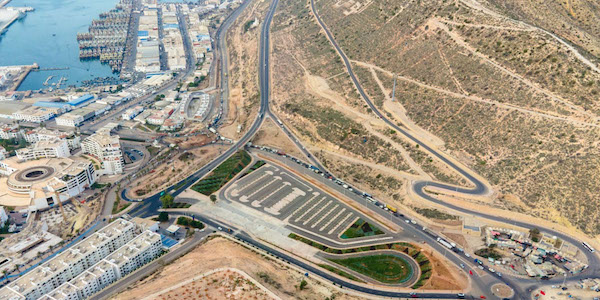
511, 101
242, 44
177, 168
222, 253
270, 135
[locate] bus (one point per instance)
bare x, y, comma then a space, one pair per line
587, 246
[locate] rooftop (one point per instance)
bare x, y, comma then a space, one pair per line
134, 247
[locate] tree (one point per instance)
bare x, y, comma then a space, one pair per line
303, 284
535, 234
163, 216
213, 198
167, 200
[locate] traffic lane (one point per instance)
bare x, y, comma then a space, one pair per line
593, 260
408, 229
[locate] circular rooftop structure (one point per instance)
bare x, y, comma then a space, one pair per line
33, 174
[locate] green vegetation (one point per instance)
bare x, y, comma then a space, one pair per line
303, 284
535, 234
247, 25
185, 221
168, 201
163, 216
433, 213
153, 150
385, 268
186, 156
339, 272
99, 185
117, 207
406, 248
489, 252
152, 127
360, 228
255, 166
13, 144
223, 173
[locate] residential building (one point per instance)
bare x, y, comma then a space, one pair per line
106, 148
3, 216
36, 114
45, 149
43, 134
71, 263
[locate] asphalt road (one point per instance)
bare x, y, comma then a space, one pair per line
479, 187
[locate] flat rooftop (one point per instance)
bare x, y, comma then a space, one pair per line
133, 248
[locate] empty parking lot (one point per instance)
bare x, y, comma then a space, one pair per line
278, 193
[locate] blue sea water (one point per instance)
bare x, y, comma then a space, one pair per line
48, 37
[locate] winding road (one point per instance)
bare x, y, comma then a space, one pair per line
151, 205
479, 188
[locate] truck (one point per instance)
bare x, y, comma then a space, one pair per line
391, 208
212, 130
444, 243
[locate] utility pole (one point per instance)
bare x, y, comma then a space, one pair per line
394, 89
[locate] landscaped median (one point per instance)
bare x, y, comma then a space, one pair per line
223, 173
386, 268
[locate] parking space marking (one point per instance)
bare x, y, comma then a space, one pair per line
257, 203
332, 219
277, 207
249, 184
299, 209
245, 198
309, 209
315, 214
325, 215
340, 223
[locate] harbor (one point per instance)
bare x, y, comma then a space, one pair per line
107, 36
41, 38
8, 15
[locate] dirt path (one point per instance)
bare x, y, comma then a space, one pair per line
458, 39
542, 114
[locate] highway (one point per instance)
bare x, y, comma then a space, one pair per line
479, 187
151, 205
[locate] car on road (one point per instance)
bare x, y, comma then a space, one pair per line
462, 266
467, 254
499, 274
460, 296
492, 270
480, 266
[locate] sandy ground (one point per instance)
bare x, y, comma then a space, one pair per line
444, 277
222, 253
174, 170
271, 136
225, 284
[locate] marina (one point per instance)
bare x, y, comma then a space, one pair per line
107, 36
52, 43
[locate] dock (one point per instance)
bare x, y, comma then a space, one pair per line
107, 36
24, 72
8, 15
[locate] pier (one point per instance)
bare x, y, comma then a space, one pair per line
107, 36
9, 15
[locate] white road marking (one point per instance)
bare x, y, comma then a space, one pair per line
246, 198
306, 212
324, 216
337, 215
256, 203
276, 208
315, 214
340, 223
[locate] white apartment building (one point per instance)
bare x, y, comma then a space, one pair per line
43, 134
131, 256
45, 149
107, 149
132, 112
36, 114
69, 120
10, 131
71, 263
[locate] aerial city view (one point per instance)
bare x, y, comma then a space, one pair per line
305, 149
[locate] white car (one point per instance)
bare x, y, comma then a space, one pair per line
467, 254
492, 270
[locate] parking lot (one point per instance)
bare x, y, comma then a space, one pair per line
280, 194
